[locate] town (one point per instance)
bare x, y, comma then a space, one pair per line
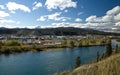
48, 39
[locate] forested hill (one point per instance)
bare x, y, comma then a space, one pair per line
52, 31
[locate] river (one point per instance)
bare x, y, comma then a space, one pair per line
47, 62
114, 42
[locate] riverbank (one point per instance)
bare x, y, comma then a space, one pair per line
15, 46
108, 66
20, 49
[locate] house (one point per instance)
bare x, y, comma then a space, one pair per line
50, 42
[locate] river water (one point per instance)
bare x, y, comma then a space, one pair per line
47, 62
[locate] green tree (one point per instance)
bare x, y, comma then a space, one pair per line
98, 56
13, 43
72, 43
116, 49
77, 62
102, 57
64, 42
108, 49
80, 44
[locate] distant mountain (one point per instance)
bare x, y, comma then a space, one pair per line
52, 31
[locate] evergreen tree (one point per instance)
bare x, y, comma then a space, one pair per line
108, 49
102, 57
77, 62
98, 56
116, 49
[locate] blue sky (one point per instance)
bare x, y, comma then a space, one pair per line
96, 14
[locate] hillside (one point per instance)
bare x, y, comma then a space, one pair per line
52, 31
109, 66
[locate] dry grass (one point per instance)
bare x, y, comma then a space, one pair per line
108, 66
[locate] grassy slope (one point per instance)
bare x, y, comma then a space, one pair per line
109, 66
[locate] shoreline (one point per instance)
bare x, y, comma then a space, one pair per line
70, 47
19, 49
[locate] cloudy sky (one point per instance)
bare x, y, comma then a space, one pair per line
96, 14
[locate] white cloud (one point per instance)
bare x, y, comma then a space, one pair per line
66, 11
37, 5
98, 26
3, 14
42, 18
80, 13
114, 28
117, 24
18, 22
55, 17
78, 20
107, 22
61, 4
18, 26
2, 7
93, 18
114, 11
117, 17
64, 18
107, 18
12, 6
62, 24
67, 24
8, 26
13, 12
112, 15
110, 22
6, 21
